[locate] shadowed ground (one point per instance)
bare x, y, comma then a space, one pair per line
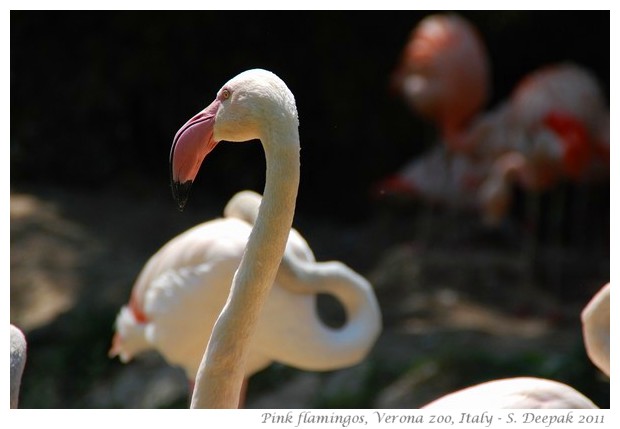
460, 305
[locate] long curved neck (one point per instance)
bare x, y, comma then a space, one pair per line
222, 369
324, 348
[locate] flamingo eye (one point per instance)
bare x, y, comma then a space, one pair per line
225, 94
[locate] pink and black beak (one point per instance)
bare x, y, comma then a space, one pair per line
190, 146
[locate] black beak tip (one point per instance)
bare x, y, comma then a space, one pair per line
180, 192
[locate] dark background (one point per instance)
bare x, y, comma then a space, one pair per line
96, 98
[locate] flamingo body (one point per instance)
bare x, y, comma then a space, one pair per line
595, 323
18, 361
438, 176
554, 127
565, 102
520, 392
184, 286
181, 289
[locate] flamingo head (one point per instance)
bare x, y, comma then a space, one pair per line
244, 109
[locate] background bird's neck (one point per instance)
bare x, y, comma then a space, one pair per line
222, 369
322, 347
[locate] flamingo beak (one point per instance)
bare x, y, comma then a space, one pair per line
191, 144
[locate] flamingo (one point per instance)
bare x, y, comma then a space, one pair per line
519, 392
554, 127
150, 320
595, 323
183, 298
444, 73
438, 176
556, 117
18, 361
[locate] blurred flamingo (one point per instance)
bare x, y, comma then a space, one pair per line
520, 392
444, 73
183, 301
18, 361
440, 177
595, 320
554, 128
444, 76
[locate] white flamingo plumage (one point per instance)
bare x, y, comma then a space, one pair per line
520, 392
18, 361
595, 321
179, 277
184, 287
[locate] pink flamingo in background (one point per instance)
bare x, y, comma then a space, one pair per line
554, 127
438, 176
444, 74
